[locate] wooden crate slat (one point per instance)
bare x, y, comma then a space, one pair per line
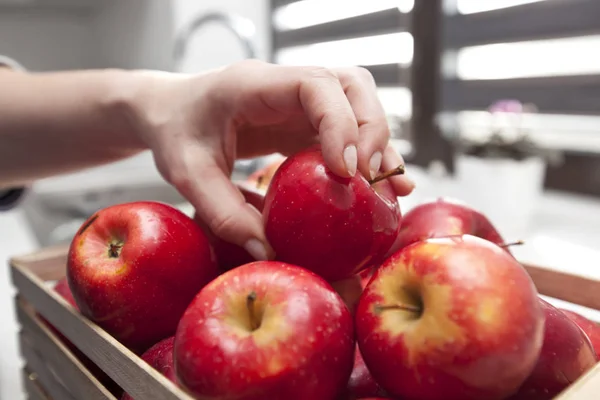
567, 287
542, 20
66, 365
573, 94
31, 385
46, 377
377, 23
131, 373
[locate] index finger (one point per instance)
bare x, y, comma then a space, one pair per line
272, 93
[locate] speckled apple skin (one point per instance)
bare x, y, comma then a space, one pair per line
591, 328
303, 349
333, 226
567, 354
444, 217
139, 296
480, 331
160, 357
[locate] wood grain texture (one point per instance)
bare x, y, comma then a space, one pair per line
82, 384
32, 387
45, 375
124, 367
567, 287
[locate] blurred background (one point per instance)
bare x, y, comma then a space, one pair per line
494, 102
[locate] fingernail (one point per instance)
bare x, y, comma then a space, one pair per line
351, 159
375, 164
256, 249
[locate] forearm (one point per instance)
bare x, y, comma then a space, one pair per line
56, 123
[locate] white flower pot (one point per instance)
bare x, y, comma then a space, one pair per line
505, 190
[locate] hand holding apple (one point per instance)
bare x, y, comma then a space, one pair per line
133, 269
331, 225
450, 318
265, 330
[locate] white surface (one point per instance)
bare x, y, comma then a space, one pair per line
48, 40
14, 239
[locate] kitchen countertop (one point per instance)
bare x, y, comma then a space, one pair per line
565, 235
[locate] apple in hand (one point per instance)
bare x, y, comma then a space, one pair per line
450, 318
331, 225
445, 217
566, 355
265, 330
133, 269
160, 357
591, 328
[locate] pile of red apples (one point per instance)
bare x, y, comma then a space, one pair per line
360, 302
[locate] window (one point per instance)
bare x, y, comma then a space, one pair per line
469, 53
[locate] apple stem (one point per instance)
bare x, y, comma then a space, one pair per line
402, 307
515, 243
259, 181
114, 250
399, 170
250, 302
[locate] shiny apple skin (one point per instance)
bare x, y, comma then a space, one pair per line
566, 355
160, 357
333, 226
591, 329
444, 217
303, 349
361, 383
139, 295
480, 332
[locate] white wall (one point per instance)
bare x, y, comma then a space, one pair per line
140, 34
47, 40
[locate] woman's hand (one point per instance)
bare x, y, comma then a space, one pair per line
198, 125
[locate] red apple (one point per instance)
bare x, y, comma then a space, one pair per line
591, 328
134, 268
445, 217
361, 383
265, 330
350, 290
450, 318
566, 355
160, 357
333, 226
262, 177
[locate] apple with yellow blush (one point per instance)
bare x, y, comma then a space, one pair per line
450, 319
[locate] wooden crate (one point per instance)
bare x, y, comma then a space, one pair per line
52, 371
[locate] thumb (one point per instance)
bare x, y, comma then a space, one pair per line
219, 204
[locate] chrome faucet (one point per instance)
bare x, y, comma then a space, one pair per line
243, 28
